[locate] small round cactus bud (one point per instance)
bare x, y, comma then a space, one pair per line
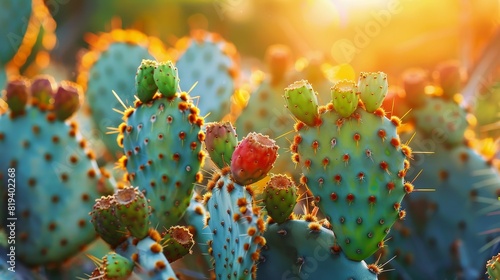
220, 142
344, 97
253, 158
449, 76
42, 90
132, 210
372, 87
178, 243
278, 58
115, 266
302, 101
166, 78
280, 197
493, 267
415, 80
66, 100
144, 80
105, 223
16, 95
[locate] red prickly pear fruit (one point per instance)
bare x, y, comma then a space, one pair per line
220, 142
449, 76
16, 95
415, 80
253, 158
278, 58
66, 100
42, 90
132, 210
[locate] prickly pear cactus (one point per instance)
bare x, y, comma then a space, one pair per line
493, 267
301, 249
211, 62
46, 167
111, 65
14, 17
162, 140
353, 161
280, 197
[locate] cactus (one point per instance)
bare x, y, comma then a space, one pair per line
305, 250
53, 171
280, 197
493, 267
302, 102
14, 16
355, 166
111, 65
161, 139
220, 142
211, 62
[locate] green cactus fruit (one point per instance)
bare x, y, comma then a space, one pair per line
280, 197
166, 78
253, 158
302, 101
236, 225
66, 100
106, 224
42, 90
145, 85
55, 172
414, 81
177, 243
14, 17
220, 141
493, 267
299, 249
442, 118
116, 267
162, 145
373, 88
211, 63
449, 77
151, 263
345, 97
16, 95
355, 167
132, 211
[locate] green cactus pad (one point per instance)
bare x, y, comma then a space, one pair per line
280, 197
166, 78
355, 167
302, 101
162, 146
145, 85
220, 142
298, 249
132, 210
373, 88
117, 267
345, 98
177, 243
210, 62
443, 119
54, 173
106, 224
236, 226
14, 17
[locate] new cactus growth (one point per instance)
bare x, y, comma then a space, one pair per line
493, 267
280, 197
220, 141
55, 173
132, 211
115, 266
66, 100
161, 138
355, 166
302, 101
145, 83
253, 158
177, 243
166, 78
16, 96
373, 88
42, 88
345, 98
106, 224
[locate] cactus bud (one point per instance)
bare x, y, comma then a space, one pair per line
178, 243
66, 100
16, 95
345, 97
373, 89
42, 90
105, 222
166, 78
132, 210
302, 102
220, 142
280, 197
144, 80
